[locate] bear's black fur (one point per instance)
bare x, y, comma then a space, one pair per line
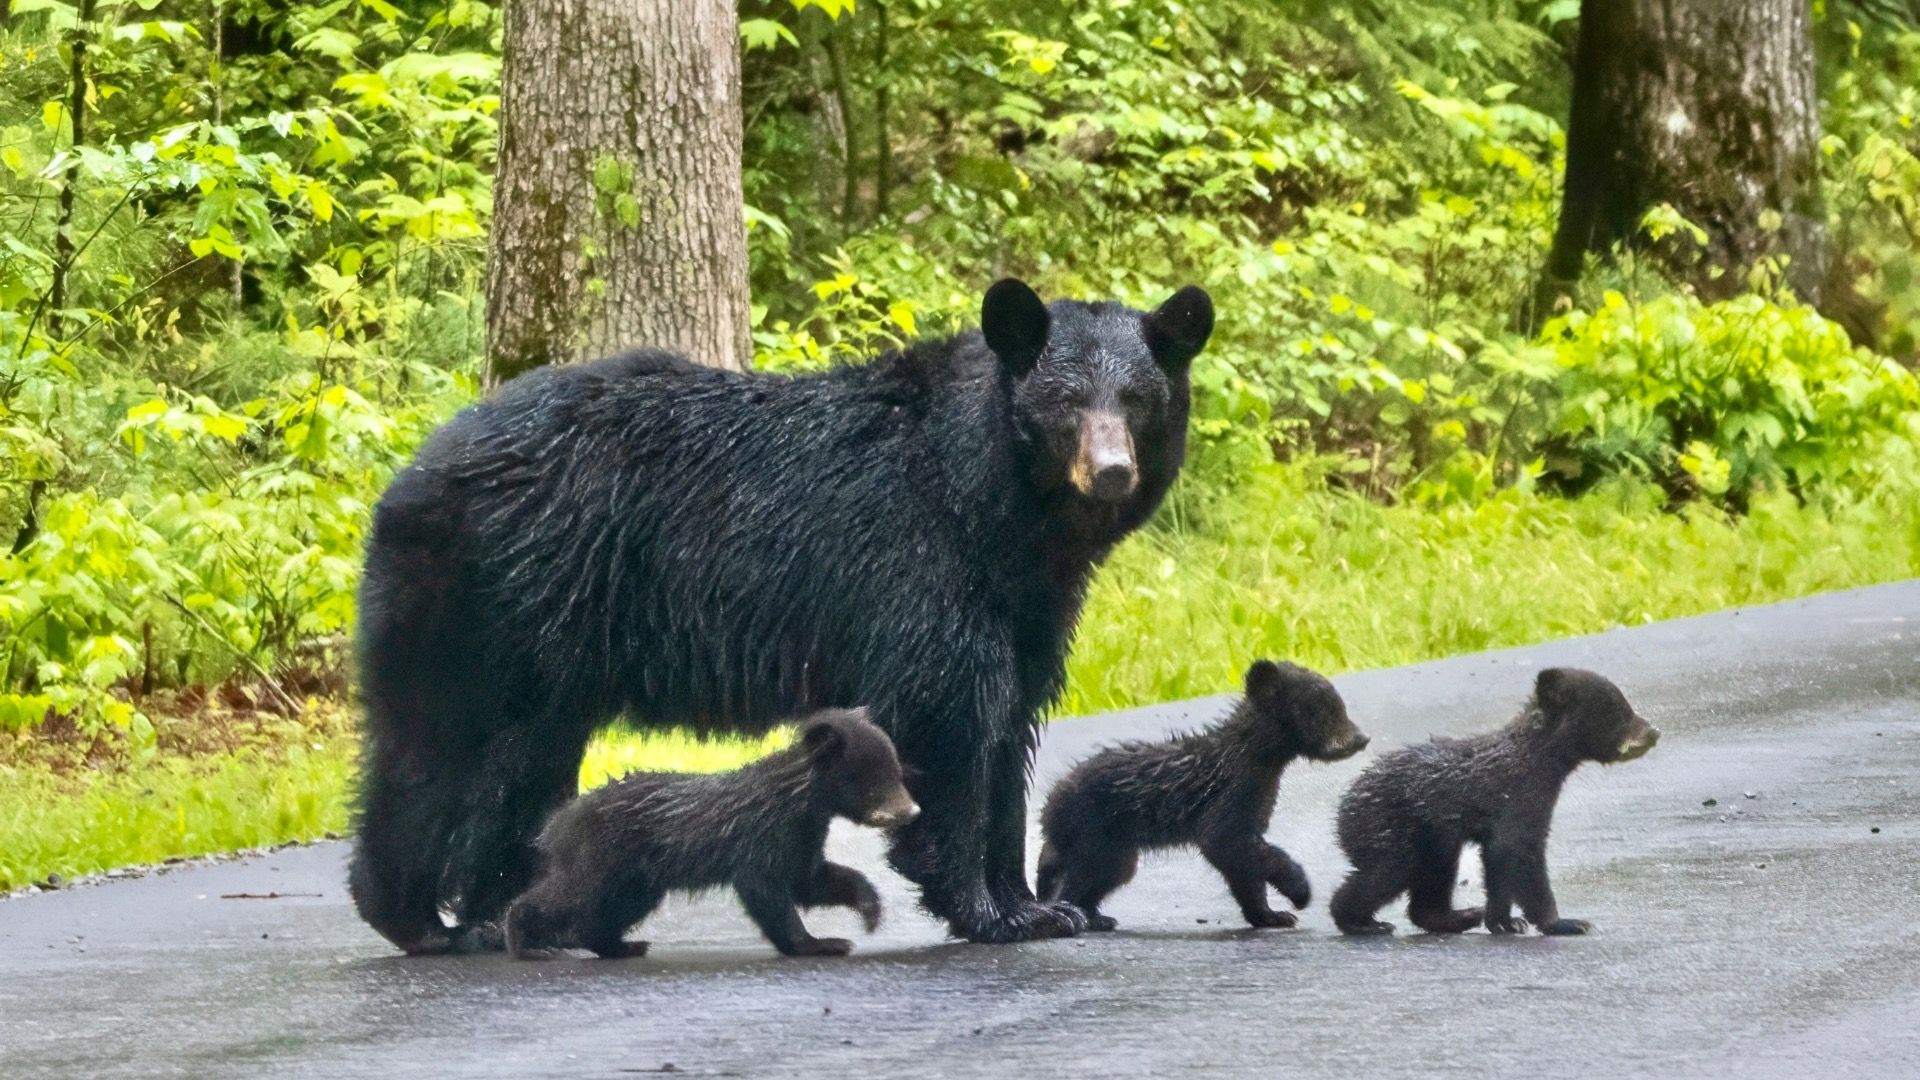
609, 857
1213, 788
685, 546
1404, 821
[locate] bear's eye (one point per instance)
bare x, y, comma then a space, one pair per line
1135, 398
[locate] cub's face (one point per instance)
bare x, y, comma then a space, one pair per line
1592, 715
1100, 390
1304, 711
855, 769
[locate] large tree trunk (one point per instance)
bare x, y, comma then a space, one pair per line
1705, 104
617, 204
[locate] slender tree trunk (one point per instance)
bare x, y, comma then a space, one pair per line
829, 122
617, 203
843, 98
63, 250
882, 103
1707, 105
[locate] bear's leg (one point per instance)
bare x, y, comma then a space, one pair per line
1092, 875
619, 908
1244, 865
1516, 870
966, 849
1430, 894
831, 885
529, 769
536, 929
1375, 881
771, 906
1046, 877
1284, 874
1007, 849
400, 849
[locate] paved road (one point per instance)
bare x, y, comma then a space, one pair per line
1771, 935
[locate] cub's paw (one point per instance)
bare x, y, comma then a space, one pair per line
868, 905
1566, 927
826, 946
1272, 920
1101, 924
1448, 922
1370, 928
624, 950
1296, 890
1511, 924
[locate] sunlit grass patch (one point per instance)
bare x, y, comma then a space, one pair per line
78, 825
616, 752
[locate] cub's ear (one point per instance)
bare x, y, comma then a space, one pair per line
1550, 686
1178, 329
822, 739
1015, 324
1263, 680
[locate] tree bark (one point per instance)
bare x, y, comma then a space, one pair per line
617, 203
1708, 105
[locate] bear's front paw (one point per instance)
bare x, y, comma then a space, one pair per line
1566, 927
1102, 924
1508, 924
825, 946
1272, 920
1027, 921
624, 950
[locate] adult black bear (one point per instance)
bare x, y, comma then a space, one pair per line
683, 546
1404, 821
609, 857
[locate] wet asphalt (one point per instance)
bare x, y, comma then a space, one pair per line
1749, 922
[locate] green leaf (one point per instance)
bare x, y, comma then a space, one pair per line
765, 34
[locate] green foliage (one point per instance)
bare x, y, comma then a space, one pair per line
1729, 399
270, 290
267, 296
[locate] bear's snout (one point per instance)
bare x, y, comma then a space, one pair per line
895, 812
1640, 739
1103, 466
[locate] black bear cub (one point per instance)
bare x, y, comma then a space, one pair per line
1404, 821
1213, 788
609, 857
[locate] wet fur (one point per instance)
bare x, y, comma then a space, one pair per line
649, 539
1214, 788
610, 856
1404, 822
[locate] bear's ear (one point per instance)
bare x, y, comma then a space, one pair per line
1178, 329
1015, 324
1263, 680
1549, 686
823, 739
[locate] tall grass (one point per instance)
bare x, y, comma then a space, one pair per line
1338, 583
71, 826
